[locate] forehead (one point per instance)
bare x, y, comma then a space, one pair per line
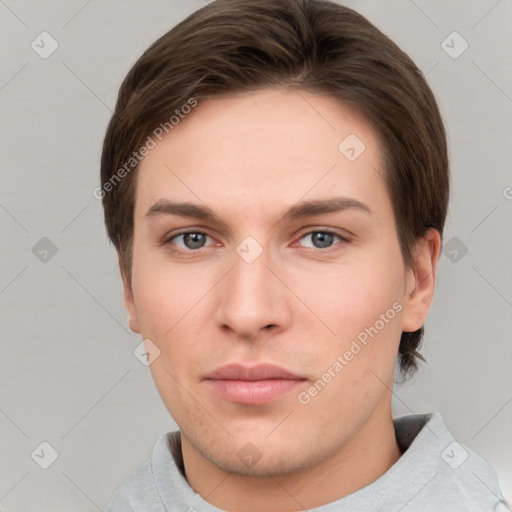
263, 149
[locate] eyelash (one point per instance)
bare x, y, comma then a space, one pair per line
190, 252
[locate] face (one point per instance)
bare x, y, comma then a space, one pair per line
268, 277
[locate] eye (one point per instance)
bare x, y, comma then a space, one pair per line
321, 239
189, 241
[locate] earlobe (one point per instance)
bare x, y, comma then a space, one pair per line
421, 281
133, 320
129, 302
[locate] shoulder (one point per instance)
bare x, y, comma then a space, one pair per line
467, 480
140, 491
449, 475
137, 492
160, 484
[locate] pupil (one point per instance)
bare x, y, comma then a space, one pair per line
323, 239
194, 240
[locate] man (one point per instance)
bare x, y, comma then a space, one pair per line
275, 181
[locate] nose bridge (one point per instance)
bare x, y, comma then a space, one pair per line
251, 276
251, 299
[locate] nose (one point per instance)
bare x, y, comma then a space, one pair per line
252, 299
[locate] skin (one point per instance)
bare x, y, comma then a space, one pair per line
300, 304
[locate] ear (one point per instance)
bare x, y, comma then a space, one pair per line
129, 303
421, 280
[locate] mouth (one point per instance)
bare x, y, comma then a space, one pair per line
254, 385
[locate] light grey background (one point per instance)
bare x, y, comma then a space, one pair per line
68, 373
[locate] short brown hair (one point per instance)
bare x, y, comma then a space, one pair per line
317, 46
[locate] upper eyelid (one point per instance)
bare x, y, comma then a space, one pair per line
341, 233
167, 238
170, 236
308, 230
342, 237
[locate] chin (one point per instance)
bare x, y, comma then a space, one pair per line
279, 463
263, 455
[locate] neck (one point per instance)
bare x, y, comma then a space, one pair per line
366, 457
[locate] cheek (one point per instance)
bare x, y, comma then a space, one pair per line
171, 304
351, 299
170, 315
354, 372
362, 304
164, 295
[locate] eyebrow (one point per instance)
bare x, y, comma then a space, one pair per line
301, 210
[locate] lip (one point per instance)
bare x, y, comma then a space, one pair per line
252, 385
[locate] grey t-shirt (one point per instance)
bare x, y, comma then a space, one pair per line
435, 473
